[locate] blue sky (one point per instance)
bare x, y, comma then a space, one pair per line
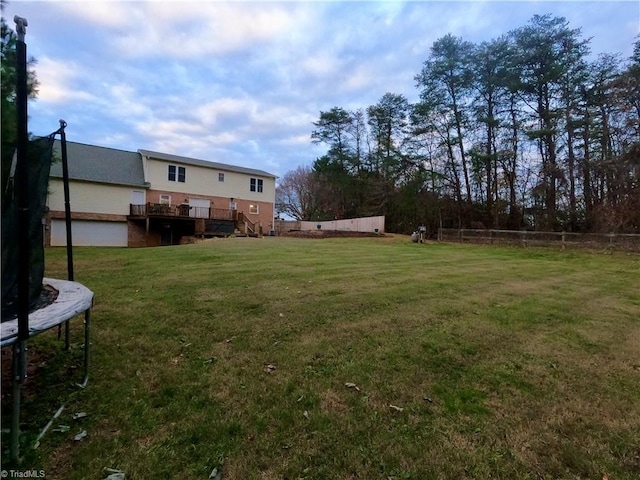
242, 82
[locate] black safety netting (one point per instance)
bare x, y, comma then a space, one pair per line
39, 158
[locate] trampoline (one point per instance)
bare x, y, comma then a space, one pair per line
24, 191
73, 299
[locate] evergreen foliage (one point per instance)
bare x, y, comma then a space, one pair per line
523, 131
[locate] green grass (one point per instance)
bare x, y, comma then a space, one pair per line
503, 362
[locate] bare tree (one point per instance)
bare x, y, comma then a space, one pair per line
297, 194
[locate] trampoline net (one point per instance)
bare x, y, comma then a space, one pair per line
39, 157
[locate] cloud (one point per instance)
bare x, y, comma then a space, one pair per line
295, 140
125, 101
59, 82
102, 14
242, 82
224, 112
321, 64
187, 30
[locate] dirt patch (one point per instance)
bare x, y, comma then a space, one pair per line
328, 234
48, 295
36, 359
331, 403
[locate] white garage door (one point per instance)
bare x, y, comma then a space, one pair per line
87, 233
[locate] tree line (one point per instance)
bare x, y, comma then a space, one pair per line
523, 131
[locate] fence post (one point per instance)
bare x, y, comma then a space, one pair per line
563, 240
611, 235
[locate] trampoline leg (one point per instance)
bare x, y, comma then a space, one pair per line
66, 335
18, 375
87, 324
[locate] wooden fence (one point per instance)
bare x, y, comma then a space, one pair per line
362, 224
283, 226
562, 240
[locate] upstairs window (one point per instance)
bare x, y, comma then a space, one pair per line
221, 177
256, 185
177, 173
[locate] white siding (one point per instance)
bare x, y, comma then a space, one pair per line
204, 181
88, 197
89, 233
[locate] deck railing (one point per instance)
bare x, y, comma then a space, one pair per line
250, 227
181, 211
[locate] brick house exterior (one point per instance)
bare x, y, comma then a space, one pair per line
146, 198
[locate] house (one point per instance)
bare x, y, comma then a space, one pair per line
146, 198
103, 182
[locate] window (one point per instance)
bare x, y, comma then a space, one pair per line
165, 199
255, 185
254, 209
177, 173
221, 177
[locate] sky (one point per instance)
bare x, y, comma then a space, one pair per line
241, 83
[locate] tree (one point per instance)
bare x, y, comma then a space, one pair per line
445, 80
388, 121
333, 129
547, 51
357, 130
595, 109
490, 103
433, 142
515, 132
335, 189
298, 195
631, 78
619, 209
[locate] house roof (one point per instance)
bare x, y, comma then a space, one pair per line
121, 167
205, 163
100, 164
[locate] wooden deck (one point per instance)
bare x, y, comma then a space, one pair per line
160, 210
207, 221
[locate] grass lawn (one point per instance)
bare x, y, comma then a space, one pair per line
377, 358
